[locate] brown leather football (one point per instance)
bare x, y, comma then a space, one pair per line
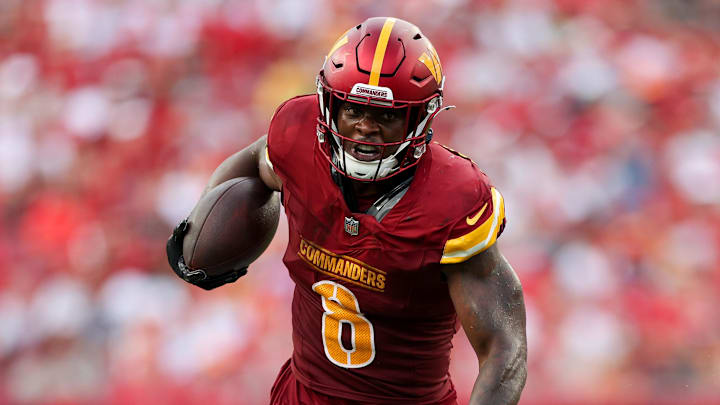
231, 226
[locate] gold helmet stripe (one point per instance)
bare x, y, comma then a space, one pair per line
380, 52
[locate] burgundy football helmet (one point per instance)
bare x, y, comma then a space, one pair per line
383, 62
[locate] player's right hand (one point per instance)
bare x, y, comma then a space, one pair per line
198, 277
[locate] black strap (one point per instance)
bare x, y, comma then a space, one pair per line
381, 206
346, 189
384, 204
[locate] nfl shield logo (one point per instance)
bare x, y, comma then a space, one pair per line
351, 226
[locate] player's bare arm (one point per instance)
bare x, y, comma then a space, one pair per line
488, 299
248, 162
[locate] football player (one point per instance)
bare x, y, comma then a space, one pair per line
392, 236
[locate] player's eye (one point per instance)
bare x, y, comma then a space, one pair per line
390, 116
351, 110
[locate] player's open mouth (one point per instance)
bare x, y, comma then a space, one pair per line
366, 153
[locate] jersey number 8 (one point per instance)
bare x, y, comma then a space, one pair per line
340, 307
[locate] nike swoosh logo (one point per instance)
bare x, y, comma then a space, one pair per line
472, 221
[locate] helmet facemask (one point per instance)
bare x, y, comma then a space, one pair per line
418, 116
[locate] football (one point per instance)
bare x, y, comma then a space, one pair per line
231, 226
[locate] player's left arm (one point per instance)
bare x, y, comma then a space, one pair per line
488, 299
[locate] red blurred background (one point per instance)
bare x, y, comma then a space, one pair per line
598, 120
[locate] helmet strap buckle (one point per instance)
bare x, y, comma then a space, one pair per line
420, 150
429, 136
320, 133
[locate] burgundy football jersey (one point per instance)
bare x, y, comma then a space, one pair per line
372, 315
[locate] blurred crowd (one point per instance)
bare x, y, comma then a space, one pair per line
598, 120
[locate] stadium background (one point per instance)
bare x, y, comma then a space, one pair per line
597, 119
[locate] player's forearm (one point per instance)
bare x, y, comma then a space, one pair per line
501, 378
241, 164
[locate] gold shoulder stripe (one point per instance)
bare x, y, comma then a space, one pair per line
460, 249
380, 51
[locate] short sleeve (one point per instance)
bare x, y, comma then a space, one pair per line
478, 231
287, 136
277, 142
